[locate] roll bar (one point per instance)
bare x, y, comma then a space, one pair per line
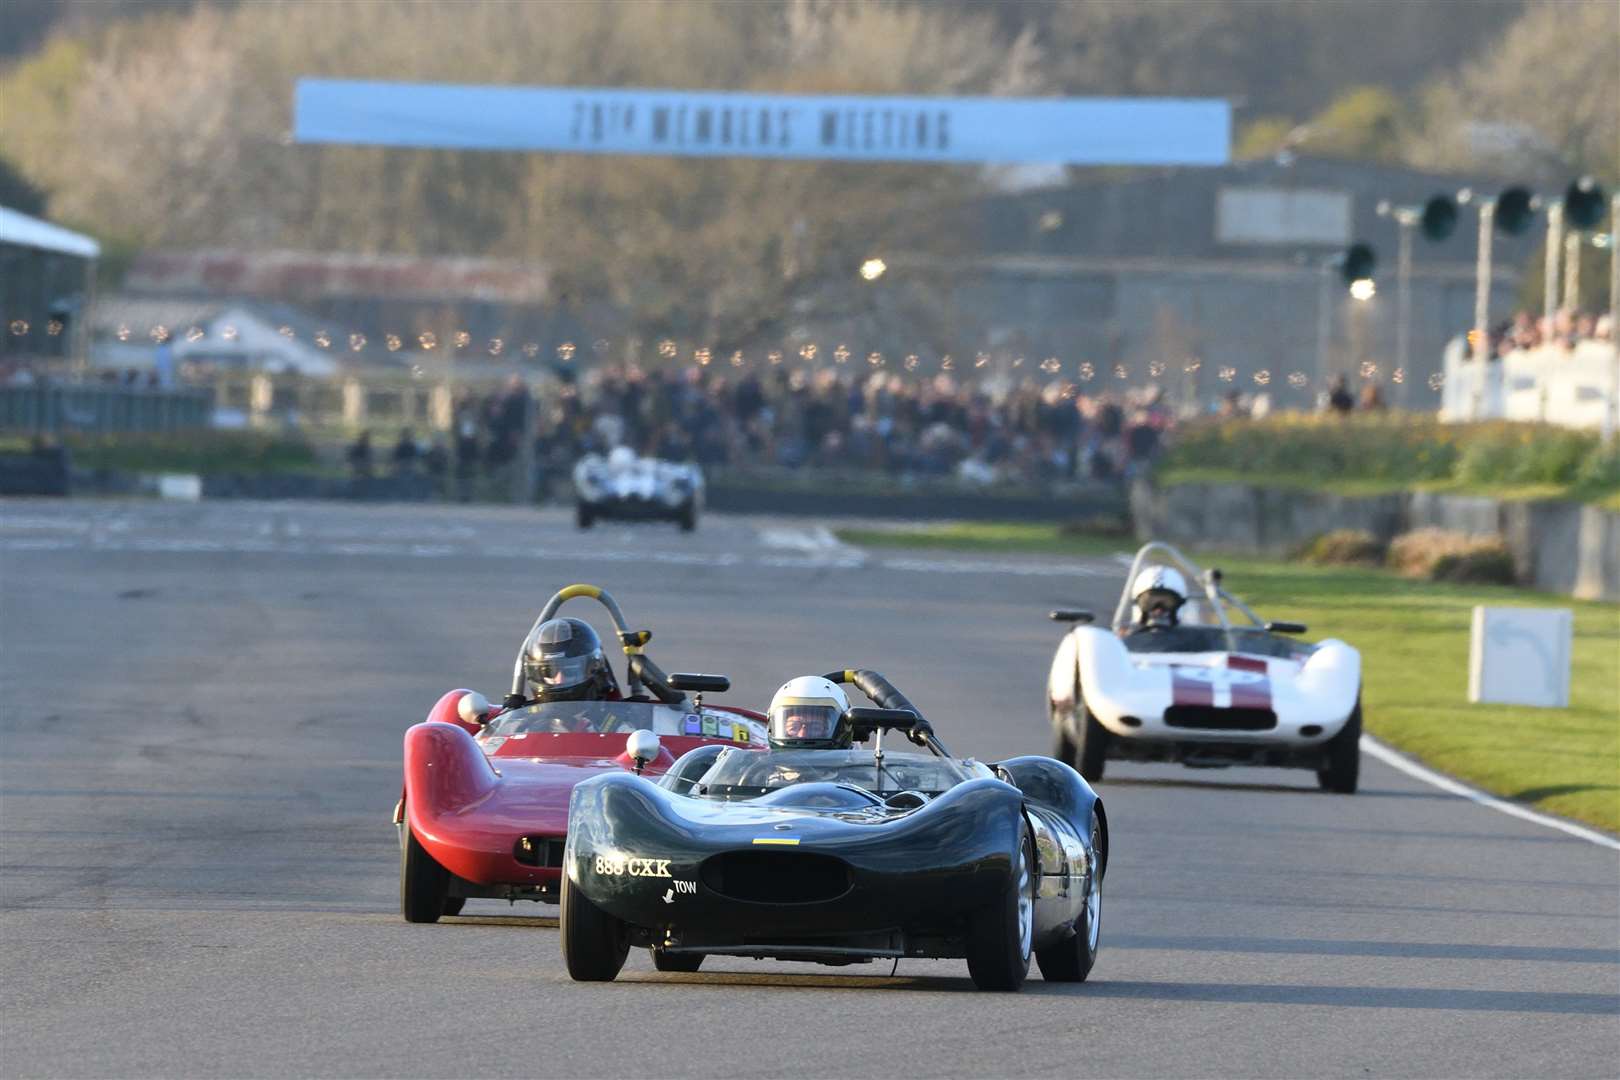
1209, 580
885, 695
639, 669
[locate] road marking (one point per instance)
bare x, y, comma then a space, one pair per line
1388, 756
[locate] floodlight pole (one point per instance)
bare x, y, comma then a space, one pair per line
1322, 316
1406, 218
1482, 302
1611, 415
1572, 271
1555, 241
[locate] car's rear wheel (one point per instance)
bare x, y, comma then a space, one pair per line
999, 949
454, 904
1341, 768
668, 961
688, 517
594, 942
1071, 960
583, 516
423, 884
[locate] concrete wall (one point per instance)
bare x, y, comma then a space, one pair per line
1561, 547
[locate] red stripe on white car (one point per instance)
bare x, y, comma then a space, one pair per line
1246, 663
1185, 691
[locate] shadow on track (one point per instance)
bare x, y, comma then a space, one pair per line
1394, 949
1365, 997
1283, 789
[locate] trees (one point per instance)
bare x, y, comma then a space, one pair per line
1545, 96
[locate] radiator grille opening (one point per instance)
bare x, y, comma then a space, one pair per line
777, 877
539, 851
1209, 718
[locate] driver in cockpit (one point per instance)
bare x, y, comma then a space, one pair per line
810, 713
1158, 594
563, 661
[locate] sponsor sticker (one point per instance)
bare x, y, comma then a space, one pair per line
709, 726
693, 725
739, 732
785, 841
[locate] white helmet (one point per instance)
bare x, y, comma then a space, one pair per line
1158, 593
809, 712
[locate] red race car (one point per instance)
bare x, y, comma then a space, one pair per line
484, 811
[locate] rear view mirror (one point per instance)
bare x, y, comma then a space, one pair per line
1285, 627
1074, 615
700, 684
864, 720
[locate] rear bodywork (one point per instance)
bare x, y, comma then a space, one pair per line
827, 873
637, 488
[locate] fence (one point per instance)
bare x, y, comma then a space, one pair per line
1574, 387
53, 408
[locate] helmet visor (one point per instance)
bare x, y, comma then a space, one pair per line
560, 672
810, 723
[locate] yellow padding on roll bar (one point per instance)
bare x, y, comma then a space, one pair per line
592, 591
849, 675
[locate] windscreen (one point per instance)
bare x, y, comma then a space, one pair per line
1198, 639
585, 718
747, 775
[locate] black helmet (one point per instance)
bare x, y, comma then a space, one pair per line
563, 661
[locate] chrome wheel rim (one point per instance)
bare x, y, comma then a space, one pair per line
1093, 899
1026, 904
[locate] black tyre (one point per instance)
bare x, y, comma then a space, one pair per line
454, 904
594, 942
583, 516
688, 518
999, 948
1072, 959
1091, 746
1341, 767
667, 961
423, 884
1063, 747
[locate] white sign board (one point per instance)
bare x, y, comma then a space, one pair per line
1275, 215
684, 123
1520, 656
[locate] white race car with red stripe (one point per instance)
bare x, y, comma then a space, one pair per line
1206, 692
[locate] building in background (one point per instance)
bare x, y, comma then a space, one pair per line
47, 288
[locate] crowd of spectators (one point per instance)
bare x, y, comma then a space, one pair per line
1008, 431
1565, 330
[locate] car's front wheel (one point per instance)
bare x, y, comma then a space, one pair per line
1341, 767
583, 517
1084, 737
424, 885
999, 949
687, 519
668, 961
594, 942
1072, 959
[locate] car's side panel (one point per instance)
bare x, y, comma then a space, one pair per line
1060, 680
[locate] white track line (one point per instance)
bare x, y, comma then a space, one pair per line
1372, 746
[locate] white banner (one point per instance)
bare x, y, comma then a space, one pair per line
1074, 131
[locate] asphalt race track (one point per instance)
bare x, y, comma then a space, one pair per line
201, 750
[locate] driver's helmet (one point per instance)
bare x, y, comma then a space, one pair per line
809, 713
563, 661
1158, 593
621, 458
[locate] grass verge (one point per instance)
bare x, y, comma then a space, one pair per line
1366, 488
1413, 638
